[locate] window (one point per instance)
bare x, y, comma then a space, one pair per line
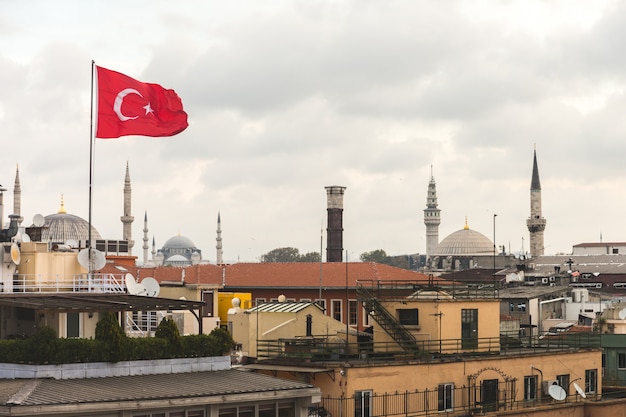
362, 403
445, 397
591, 381
305, 300
260, 301
530, 388
469, 328
353, 308
408, 316
366, 317
207, 310
337, 313
321, 303
621, 360
563, 381
144, 321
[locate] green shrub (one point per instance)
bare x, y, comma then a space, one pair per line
224, 340
44, 345
112, 338
168, 330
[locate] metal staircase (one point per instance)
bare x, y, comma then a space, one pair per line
386, 320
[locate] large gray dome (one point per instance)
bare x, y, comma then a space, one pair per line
179, 242
465, 242
61, 227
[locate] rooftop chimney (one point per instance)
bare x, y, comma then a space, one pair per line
334, 231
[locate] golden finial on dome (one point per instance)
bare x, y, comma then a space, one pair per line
62, 209
466, 227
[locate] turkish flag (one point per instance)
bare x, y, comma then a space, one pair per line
129, 107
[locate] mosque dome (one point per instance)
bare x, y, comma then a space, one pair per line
180, 250
179, 242
61, 227
465, 242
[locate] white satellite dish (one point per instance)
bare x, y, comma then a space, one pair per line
38, 220
622, 314
151, 287
557, 392
25, 237
131, 284
580, 390
97, 258
15, 254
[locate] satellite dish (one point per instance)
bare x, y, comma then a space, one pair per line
38, 220
622, 314
15, 254
580, 390
25, 237
151, 287
97, 258
557, 392
131, 285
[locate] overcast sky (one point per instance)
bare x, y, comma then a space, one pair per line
287, 97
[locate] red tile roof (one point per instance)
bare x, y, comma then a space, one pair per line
271, 275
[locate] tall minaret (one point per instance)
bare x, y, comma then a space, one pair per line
127, 219
432, 217
218, 239
153, 248
536, 223
145, 246
17, 196
334, 229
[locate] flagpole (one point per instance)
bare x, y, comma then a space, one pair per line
91, 140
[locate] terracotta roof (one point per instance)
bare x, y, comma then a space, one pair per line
296, 274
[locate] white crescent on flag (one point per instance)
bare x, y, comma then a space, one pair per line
119, 99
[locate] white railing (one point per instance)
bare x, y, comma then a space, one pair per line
83, 283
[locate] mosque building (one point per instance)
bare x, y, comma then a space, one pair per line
469, 249
65, 230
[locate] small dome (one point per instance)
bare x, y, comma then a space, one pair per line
179, 242
464, 242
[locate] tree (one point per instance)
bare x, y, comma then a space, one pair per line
378, 256
289, 254
381, 257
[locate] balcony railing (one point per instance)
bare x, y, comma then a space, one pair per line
430, 288
87, 283
322, 349
457, 401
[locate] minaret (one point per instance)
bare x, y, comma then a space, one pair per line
536, 223
145, 246
153, 248
127, 219
218, 239
432, 217
17, 197
334, 230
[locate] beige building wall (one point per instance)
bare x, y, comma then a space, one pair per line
187, 322
441, 319
390, 377
40, 269
247, 327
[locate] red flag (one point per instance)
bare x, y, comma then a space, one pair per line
129, 107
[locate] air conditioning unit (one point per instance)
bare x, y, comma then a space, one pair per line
547, 385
